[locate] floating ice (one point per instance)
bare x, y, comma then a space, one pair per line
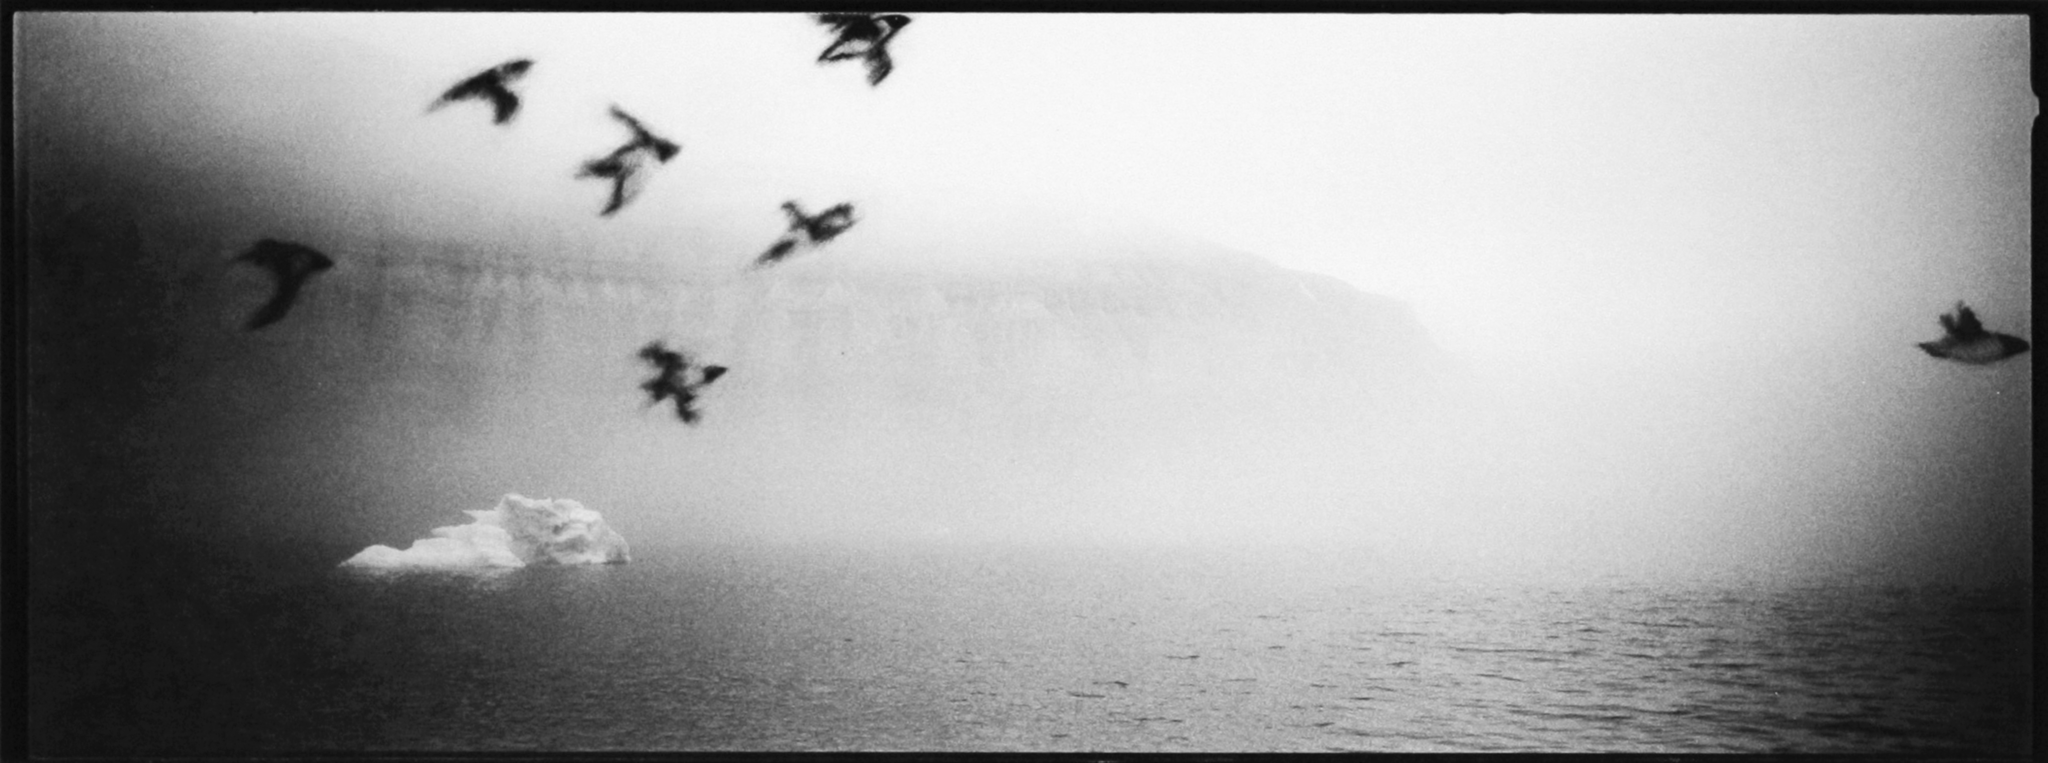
519, 532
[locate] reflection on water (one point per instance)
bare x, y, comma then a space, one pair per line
729, 649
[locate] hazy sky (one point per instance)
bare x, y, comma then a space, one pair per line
1553, 194
1702, 246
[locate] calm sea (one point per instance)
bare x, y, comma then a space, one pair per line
1022, 650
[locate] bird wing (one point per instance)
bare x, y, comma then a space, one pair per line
797, 218
279, 304
643, 138
511, 71
775, 253
639, 130
879, 65
845, 48
840, 20
657, 388
617, 200
621, 115
865, 37
469, 88
839, 214
626, 187
603, 168
669, 361
711, 374
503, 103
628, 171
684, 398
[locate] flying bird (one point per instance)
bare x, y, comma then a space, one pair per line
628, 165
492, 84
807, 231
864, 36
670, 379
291, 264
1966, 341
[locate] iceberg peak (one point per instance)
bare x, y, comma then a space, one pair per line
517, 532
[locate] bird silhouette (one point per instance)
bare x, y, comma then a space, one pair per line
808, 231
628, 165
1966, 341
291, 264
492, 84
864, 36
670, 379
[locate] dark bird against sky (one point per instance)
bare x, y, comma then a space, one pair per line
863, 36
807, 231
628, 165
1966, 341
493, 85
291, 264
671, 379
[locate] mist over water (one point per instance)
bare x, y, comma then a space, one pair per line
1072, 393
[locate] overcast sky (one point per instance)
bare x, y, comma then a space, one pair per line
1711, 238
1674, 191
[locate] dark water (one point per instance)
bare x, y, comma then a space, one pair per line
781, 649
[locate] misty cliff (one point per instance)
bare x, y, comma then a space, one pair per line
1013, 373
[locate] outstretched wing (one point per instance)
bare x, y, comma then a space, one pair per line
841, 20
469, 88
643, 138
859, 34
510, 71
845, 48
490, 83
280, 303
711, 374
639, 130
616, 200
797, 219
629, 177
503, 104
657, 388
775, 253
684, 397
603, 168
879, 65
839, 214
662, 357
625, 188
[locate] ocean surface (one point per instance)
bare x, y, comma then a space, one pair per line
731, 648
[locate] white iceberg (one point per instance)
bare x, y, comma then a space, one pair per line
519, 532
